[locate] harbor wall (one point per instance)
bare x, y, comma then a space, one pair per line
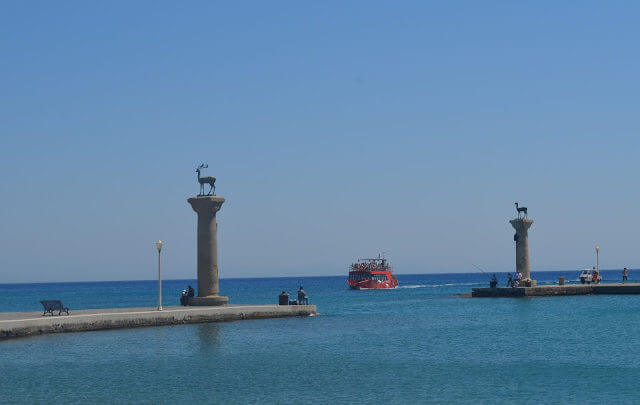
33, 323
557, 290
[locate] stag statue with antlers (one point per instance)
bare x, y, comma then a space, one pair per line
210, 180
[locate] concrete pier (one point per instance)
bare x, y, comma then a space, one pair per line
521, 237
17, 324
557, 290
206, 206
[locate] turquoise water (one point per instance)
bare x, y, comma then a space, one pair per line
417, 343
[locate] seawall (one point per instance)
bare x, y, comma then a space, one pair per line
17, 324
557, 290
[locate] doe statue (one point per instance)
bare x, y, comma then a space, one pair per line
210, 180
521, 210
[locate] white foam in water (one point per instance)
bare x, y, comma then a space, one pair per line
435, 285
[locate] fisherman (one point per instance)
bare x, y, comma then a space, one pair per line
183, 298
283, 298
302, 297
191, 292
494, 281
518, 278
625, 275
509, 280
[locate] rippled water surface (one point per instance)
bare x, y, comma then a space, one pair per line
417, 343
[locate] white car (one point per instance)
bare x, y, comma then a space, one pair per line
586, 276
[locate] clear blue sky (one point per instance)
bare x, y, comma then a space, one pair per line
335, 129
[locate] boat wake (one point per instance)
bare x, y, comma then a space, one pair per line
412, 286
436, 285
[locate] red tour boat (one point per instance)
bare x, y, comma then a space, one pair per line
371, 274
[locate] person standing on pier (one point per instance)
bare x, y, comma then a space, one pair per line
625, 275
494, 281
509, 280
302, 297
518, 278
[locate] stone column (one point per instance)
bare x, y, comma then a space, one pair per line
206, 206
522, 225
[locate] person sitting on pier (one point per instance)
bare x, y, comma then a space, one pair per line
518, 278
625, 275
190, 292
184, 300
494, 281
302, 297
283, 298
509, 280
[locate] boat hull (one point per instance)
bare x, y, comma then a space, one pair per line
373, 285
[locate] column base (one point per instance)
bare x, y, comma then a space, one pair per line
209, 301
528, 283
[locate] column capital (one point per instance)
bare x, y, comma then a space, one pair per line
521, 224
206, 203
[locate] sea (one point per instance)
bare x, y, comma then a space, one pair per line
419, 343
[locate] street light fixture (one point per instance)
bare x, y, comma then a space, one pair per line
159, 246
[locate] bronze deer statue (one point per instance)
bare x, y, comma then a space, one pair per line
521, 209
210, 180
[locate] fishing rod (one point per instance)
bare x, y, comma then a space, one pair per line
480, 268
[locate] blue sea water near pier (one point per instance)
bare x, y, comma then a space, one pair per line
417, 343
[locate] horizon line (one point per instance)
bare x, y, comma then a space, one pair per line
262, 278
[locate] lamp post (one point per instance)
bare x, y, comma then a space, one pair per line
159, 246
598, 258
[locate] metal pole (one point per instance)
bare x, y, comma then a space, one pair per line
159, 284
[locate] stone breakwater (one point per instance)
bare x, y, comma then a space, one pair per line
557, 290
17, 324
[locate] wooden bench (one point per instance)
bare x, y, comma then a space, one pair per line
53, 305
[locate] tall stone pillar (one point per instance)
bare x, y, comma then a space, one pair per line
522, 225
206, 206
